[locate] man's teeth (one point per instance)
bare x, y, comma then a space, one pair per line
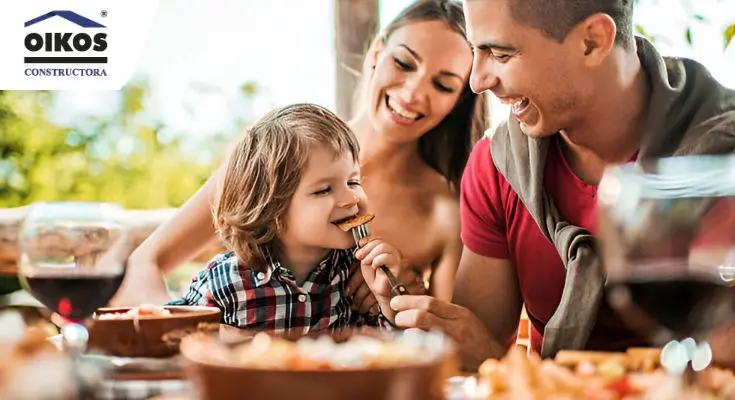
519, 104
516, 101
400, 111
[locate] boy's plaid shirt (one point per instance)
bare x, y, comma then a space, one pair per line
271, 299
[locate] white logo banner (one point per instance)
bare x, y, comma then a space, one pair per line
72, 44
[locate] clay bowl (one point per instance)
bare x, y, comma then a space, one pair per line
214, 379
149, 336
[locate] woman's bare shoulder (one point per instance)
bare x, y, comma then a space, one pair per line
443, 218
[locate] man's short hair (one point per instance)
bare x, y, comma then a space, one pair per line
556, 18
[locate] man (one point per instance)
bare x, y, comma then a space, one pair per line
584, 94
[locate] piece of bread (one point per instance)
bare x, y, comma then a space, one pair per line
355, 221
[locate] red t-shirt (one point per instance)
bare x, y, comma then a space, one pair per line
496, 224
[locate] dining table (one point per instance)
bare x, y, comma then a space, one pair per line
177, 386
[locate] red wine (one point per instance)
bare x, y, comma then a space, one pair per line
75, 296
686, 305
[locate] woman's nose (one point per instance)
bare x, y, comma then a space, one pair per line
412, 90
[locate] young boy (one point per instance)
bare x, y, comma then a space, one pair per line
290, 179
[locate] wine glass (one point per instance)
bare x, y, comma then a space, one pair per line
72, 258
667, 238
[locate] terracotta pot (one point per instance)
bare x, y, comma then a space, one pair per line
149, 336
224, 382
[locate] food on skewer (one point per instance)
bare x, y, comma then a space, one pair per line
354, 221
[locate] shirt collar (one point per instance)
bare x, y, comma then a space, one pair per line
272, 266
335, 260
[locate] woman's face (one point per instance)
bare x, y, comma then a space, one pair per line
420, 72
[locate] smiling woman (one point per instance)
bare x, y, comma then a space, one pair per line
416, 120
415, 76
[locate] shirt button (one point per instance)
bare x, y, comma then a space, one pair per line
302, 298
261, 276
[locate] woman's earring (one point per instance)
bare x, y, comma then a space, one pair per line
279, 227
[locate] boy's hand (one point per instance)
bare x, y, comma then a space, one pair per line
373, 254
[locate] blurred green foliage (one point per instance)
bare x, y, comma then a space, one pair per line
126, 158
43, 161
727, 33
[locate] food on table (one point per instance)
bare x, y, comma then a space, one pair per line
595, 376
135, 313
352, 364
640, 359
144, 310
150, 331
264, 351
354, 222
32, 367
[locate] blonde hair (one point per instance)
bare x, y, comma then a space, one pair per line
264, 171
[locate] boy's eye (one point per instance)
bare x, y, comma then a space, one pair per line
353, 182
323, 191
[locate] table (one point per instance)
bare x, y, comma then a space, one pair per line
144, 389
186, 392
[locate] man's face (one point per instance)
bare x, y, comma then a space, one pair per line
541, 79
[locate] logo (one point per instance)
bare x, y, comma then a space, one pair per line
72, 44
56, 45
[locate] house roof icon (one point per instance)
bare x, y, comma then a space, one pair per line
70, 16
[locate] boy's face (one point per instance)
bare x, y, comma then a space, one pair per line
329, 191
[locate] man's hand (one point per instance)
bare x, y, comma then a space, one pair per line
364, 300
474, 341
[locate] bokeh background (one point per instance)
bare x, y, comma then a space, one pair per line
211, 67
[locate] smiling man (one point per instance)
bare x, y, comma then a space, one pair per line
584, 94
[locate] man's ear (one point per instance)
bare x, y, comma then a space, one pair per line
596, 38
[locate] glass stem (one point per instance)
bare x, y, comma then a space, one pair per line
75, 338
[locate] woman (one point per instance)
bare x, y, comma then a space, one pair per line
417, 121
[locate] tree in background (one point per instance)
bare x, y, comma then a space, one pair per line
130, 158
693, 17
124, 159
